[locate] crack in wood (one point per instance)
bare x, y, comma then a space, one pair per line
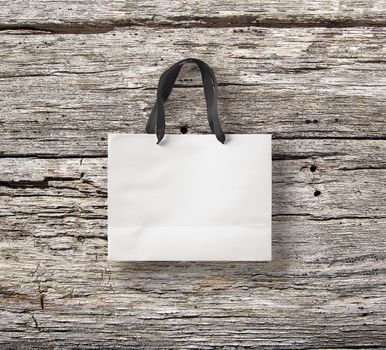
36, 183
362, 168
274, 137
239, 21
325, 218
35, 322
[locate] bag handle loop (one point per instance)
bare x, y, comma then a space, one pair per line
156, 121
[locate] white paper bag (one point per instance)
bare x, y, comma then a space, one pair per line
190, 197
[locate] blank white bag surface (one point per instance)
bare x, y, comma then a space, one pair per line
189, 198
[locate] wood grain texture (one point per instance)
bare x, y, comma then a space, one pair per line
350, 176
289, 82
77, 16
325, 286
328, 268
325, 289
312, 73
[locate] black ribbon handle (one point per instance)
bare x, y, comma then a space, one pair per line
156, 121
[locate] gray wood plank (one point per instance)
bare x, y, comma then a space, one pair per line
321, 92
324, 289
321, 179
99, 16
62, 94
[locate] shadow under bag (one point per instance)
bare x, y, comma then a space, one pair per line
189, 197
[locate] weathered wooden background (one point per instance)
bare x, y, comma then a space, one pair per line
312, 73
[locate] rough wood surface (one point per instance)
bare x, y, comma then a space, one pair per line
74, 16
324, 289
313, 75
348, 174
307, 82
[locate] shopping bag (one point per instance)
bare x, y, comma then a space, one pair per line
189, 197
